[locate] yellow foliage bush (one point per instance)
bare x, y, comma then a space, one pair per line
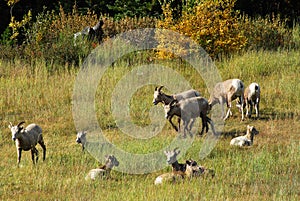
214, 25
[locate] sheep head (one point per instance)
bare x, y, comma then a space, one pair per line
157, 95
252, 130
111, 161
169, 109
172, 155
16, 130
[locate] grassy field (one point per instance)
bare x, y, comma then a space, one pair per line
269, 170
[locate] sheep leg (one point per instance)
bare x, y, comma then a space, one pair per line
241, 98
257, 108
170, 120
247, 107
228, 112
19, 155
204, 123
33, 152
192, 121
44, 149
211, 124
250, 109
185, 127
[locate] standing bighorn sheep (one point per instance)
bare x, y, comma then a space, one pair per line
26, 139
103, 171
188, 110
160, 97
245, 140
226, 92
251, 98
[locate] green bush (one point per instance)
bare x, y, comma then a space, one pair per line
268, 33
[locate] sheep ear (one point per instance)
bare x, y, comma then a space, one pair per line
10, 125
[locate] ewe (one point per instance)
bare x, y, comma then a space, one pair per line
160, 97
26, 139
188, 110
251, 98
226, 92
245, 140
103, 171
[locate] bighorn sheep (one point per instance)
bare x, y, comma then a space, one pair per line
226, 92
103, 171
96, 32
196, 170
26, 139
245, 140
159, 96
81, 139
251, 98
188, 110
178, 169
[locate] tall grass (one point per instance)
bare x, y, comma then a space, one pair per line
268, 171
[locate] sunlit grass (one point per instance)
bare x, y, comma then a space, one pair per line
267, 171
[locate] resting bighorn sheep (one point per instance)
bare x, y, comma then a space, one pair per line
251, 98
103, 171
245, 140
178, 169
196, 170
160, 97
26, 139
226, 92
188, 110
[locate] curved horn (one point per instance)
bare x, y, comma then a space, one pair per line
22, 122
160, 88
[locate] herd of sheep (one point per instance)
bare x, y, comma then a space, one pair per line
187, 106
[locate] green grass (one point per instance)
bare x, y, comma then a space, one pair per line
267, 171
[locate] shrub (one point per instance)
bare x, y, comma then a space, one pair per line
212, 24
268, 33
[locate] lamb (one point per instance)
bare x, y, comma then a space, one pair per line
178, 169
159, 96
188, 110
251, 98
103, 171
245, 140
226, 92
195, 170
27, 139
